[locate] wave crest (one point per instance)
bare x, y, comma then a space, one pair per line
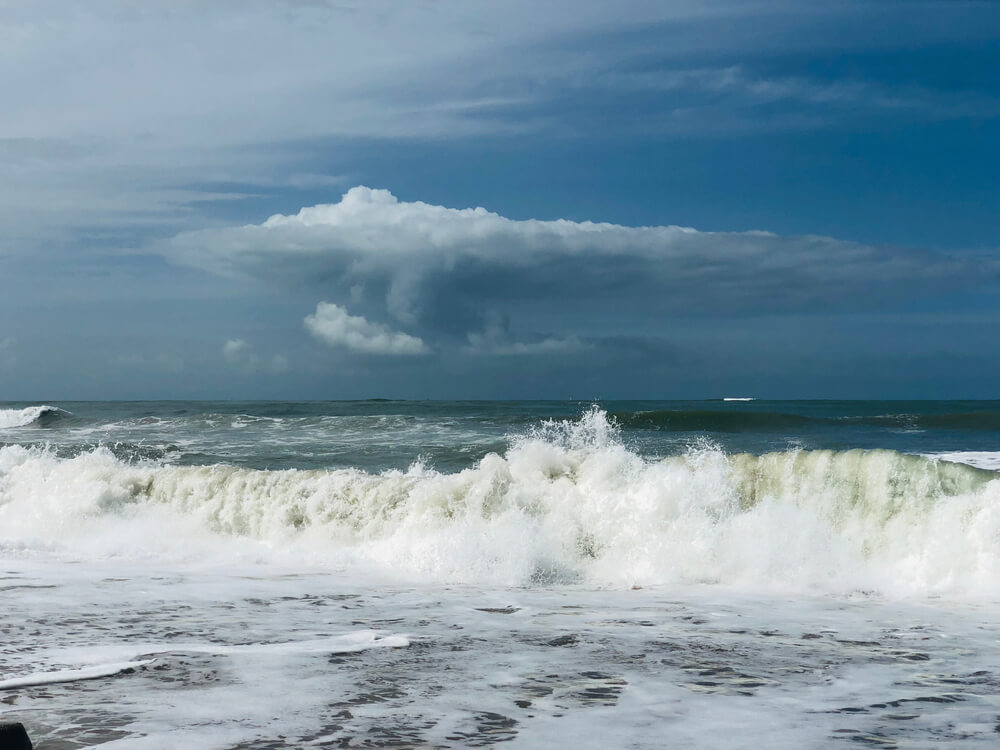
42, 414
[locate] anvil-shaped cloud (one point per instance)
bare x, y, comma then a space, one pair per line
450, 273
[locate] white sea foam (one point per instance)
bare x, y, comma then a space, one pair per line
70, 675
245, 658
568, 502
980, 459
10, 418
86, 669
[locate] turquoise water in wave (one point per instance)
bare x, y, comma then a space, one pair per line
452, 435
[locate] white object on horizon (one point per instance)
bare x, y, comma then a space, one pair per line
738, 398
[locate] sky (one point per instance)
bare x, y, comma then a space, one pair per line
450, 199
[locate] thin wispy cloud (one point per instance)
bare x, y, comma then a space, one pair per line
844, 101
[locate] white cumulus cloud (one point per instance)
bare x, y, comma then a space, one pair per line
333, 325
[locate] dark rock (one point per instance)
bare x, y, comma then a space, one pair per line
14, 737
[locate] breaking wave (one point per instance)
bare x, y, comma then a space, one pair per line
566, 502
43, 415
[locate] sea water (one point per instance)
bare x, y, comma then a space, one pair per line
427, 574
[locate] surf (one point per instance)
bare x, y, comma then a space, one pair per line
567, 502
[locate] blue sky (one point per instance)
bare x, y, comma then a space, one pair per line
678, 199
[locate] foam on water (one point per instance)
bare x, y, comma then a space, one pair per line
97, 671
265, 657
989, 460
85, 669
566, 502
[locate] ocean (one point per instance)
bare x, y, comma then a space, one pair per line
699, 574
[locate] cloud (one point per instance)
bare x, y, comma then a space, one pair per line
333, 325
84, 144
85, 148
235, 351
442, 270
239, 354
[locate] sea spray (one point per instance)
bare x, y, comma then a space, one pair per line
567, 501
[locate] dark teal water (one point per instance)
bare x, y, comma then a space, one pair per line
377, 435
